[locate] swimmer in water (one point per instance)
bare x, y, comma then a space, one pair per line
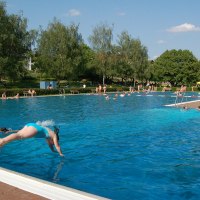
4, 130
34, 130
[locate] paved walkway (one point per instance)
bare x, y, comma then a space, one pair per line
8, 192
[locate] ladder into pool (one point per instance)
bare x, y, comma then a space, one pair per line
181, 96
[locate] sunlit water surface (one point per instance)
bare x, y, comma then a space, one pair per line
129, 148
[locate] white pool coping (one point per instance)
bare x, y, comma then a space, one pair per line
43, 188
182, 103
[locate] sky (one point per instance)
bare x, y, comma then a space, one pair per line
160, 25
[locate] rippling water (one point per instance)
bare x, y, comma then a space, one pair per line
129, 148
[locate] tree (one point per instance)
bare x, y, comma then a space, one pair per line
60, 51
100, 41
89, 71
133, 57
15, 42
177, 67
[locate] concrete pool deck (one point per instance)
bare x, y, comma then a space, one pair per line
14, 185
189, 104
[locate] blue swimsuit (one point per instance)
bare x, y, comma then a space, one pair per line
41, 131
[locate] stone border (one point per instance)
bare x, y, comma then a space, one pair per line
44, 188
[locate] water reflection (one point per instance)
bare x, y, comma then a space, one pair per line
55, 169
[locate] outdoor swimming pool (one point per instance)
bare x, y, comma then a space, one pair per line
129, 148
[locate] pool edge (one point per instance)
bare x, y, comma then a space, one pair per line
43, 188
190, 104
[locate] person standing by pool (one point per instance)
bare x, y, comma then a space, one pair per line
104, 89
34, 130
183, 88
100, 88
4, 95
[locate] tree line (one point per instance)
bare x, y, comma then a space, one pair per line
60, 52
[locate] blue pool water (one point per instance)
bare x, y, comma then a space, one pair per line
129, 148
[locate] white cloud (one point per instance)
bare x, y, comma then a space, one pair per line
73, 13
183, 28
161, 41
155, 57
121, 14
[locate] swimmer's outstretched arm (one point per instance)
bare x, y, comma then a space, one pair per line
57, 147
55, 141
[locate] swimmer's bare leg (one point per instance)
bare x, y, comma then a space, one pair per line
26, 132
1, 142
10, 138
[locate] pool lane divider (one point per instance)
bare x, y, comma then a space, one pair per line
44, 188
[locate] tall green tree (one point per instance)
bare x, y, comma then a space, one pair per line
60, 51
89, 61
133, 57
176, 66
124, 56
101, 43
15, 42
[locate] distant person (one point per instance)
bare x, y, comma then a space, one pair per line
62, 91
183, 89
185, 108
139, 87
192, 88
32, 92
4, 95
107, 97
100, 88
16, 96
198, 108
34, 130
104, 89
179, 94
4, 130
50, 87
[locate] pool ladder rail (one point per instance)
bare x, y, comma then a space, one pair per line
181, 97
